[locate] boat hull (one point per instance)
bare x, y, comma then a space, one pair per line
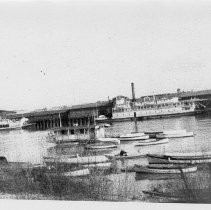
154, 142
179, 135
137, 138
164, 170
100, 147
76, 160
129, 156
179, 160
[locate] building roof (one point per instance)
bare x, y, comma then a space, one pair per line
41, 113
91, 105
196, 93
75, 111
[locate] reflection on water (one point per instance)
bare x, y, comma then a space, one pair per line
23, 146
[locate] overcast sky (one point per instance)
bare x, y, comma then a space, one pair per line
63, 53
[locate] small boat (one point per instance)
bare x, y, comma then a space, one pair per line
121, 157
101, 118
175, 134
133, 137
152, 142
164, 169
82, 172
152, 134
76, 160
100, 146
109, 140
179, 159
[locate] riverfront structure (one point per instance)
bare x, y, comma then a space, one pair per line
85, 114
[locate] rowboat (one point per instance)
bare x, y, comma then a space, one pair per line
179, 159
81, 172
175, 134
109, 140
152, 142
76, 160
134, 138
152, 134
119, 157
164, 169
131, 135
100, 147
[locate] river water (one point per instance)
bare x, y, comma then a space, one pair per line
31, 146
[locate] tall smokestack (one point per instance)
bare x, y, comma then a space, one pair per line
133, 92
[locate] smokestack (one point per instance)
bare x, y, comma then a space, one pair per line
133, 92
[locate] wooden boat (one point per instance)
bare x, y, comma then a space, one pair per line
108, 140
152, 142
76, 160
179, 159
119, 157
164, 169
132, 135
175, 134
152, 134
99, 165
189, 154
82, 172
134, 138
100, 146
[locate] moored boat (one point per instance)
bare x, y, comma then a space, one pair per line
133, 137
121, 157
154, 108
197, 159
108, 140
165, 169
152, 134
152, 142
175, 135
76, 160
100, 146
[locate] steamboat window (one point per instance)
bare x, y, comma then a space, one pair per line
63, 132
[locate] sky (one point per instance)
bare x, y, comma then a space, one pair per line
55, 53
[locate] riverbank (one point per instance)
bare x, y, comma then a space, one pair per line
41, 183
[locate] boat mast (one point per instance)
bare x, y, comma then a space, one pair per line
60, 121
133, 105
